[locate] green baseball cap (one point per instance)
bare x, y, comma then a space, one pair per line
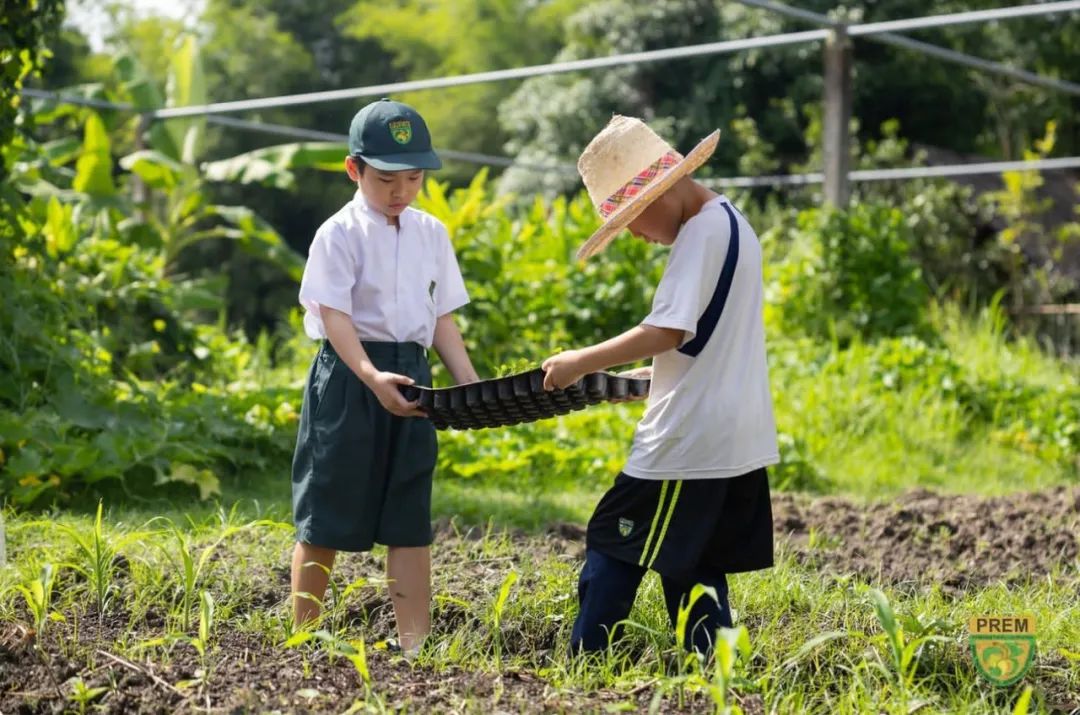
392, 136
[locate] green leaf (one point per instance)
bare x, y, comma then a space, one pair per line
156, 168
1023, 702
504, 593
93, 171
258, 238
61, 151
204, 479
298, 638
359, 660
809, 646
186, 86
138, 88
58, 229
274, 165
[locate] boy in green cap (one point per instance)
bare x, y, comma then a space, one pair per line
379, 288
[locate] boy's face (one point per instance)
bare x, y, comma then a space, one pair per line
659, 223
389, 192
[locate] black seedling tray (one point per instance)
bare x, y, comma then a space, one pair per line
518, 398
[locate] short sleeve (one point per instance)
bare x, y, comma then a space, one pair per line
686, 286
450, 293
330, 273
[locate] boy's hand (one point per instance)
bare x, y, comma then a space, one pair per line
385, 387
562, 370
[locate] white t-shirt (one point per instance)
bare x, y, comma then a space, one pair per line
709, 415
393, 282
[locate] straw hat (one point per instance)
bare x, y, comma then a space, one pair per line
625, 168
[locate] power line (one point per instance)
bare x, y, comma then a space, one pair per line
926, 48
962, 18
470, 157
914, 172
979, 63
910, 172
282, 130
76, 100
711, 48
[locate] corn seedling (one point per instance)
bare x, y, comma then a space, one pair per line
731, 644
497, 612
83, 695
206, 624
99, 557
322, 617
903, 652
191, 568
354, 651
38, 597
335, 616
682, 624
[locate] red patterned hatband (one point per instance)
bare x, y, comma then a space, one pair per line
636, 185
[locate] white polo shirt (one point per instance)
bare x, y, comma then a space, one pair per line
393, 282
709, 413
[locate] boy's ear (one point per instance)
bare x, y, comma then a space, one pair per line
354, 167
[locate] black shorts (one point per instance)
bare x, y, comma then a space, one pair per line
361, 475
688, 527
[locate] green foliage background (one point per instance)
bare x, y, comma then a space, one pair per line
149, 340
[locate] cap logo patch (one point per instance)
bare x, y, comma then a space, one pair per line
401, 130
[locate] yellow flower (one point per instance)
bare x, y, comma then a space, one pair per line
159, 325
30, 480
198, 388
154, 347
54, 480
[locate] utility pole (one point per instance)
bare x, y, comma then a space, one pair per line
836, 144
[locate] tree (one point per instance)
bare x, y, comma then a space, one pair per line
426, 40
550, 118
26, 27
768, 101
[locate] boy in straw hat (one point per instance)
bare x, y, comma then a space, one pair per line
692, 502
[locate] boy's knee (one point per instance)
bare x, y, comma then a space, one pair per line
606, 590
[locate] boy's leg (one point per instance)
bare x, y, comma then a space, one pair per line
310, 578
408, 572
606, 591
706, 616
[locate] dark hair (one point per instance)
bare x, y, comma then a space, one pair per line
360, 163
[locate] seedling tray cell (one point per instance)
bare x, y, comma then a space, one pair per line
518, 398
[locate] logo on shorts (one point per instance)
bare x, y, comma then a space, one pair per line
625, 526
1003, 647
401, 130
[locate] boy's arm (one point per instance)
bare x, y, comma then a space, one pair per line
341, 333
451, 348
638, 343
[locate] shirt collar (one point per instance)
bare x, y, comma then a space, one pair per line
377, 216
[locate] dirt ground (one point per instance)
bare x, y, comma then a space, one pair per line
958, 542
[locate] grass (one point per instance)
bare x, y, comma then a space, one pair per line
503, 607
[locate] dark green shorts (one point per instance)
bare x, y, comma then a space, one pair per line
361, 475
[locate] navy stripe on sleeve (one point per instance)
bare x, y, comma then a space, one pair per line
707, 322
